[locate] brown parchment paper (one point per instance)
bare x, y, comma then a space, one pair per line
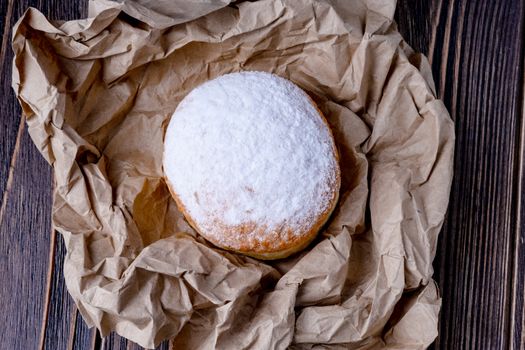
97, 94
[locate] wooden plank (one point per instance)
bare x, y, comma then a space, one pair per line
83, 337
414, 21
56, 322
24, 249
113, 342
9, 109
35, 306
476, 53
518, 288
24, 212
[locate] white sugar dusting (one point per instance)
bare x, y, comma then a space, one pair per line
250, 148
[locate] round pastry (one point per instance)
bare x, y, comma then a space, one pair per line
252, 164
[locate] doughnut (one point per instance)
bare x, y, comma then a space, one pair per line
252, 164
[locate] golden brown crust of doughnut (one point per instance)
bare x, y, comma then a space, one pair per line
287, 242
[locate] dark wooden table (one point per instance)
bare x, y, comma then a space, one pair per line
477, 55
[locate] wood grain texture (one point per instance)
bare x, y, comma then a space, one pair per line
477, 55
60, 307
24, 249
477, 59
9, 109
35, 308
518, 302
25, 222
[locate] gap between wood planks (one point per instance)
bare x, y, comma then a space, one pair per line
72, 328
433, 34
51, 266
5, 35
9, 184
446, 44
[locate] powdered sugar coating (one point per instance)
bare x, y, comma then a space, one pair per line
251, 161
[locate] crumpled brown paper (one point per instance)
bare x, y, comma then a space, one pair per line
98, 93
